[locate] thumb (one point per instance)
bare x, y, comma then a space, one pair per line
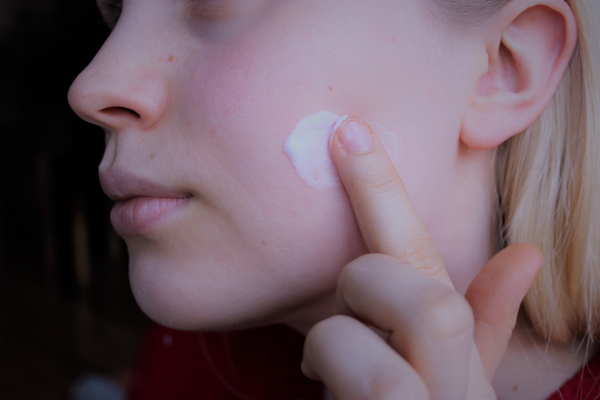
495, 296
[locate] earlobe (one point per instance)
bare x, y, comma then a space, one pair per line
527, 60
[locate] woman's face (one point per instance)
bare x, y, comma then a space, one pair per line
197, 99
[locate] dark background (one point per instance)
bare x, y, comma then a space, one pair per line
65, 303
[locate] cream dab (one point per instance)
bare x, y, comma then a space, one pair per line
308, 149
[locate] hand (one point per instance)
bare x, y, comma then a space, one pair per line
436, 344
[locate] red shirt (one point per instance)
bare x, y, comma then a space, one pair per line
259, 364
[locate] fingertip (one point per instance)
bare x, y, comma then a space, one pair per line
352, 135
339, 122
306, 365
308, 371
534, 253
527, 255
333, 141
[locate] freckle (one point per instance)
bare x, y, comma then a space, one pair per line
152, 156
264, 243
171, 58
330, 88
514, 388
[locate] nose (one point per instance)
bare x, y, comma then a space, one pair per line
124, 86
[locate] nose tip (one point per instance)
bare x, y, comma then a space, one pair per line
78, 101
116, 97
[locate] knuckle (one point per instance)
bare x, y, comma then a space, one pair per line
348, 276
446, 313
318, 339
421, 253
379, 184
387, 384
326, 329
354, 271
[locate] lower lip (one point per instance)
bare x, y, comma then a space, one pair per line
137, 215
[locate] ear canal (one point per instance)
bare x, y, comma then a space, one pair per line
501, 74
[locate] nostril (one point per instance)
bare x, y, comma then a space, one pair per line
120, 111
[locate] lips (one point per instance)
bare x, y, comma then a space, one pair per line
140, 204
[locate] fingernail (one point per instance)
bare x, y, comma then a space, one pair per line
355, 137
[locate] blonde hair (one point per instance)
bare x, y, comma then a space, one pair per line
548, 183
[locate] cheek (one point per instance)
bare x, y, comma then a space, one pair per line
256, 224
273, 246
244, 110
244, 80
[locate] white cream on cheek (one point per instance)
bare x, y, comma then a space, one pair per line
308, 149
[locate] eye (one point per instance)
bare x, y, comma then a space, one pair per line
214, 10
111, 11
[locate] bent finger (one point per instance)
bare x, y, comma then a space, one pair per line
429, 324
355, 363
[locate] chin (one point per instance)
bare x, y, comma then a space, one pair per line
172, 298
217, 302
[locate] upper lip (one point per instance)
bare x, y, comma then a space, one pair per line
121, 185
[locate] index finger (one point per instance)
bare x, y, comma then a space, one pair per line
387, 219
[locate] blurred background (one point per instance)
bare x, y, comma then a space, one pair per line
66, 309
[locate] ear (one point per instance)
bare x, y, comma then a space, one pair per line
529, 45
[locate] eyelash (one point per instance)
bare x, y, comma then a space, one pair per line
213, 10
111, 11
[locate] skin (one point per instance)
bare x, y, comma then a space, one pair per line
199, 97
406, 292
212, 123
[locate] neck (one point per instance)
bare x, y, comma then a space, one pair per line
532, 368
